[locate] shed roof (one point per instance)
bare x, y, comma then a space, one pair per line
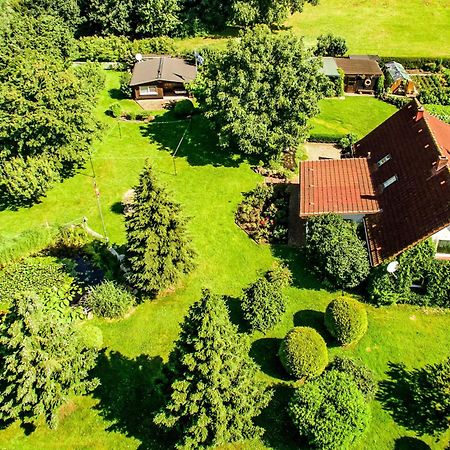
342, 186
397, 71
358, 66
329, 67
163, 68
417, 205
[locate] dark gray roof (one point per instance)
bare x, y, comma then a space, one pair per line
397, 71
163, 68
329, 67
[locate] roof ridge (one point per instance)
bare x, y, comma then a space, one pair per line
430, 129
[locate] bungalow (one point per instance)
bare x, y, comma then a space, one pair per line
157, 77
361, 73
398, 80
397, 183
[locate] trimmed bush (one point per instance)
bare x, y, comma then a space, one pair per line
115, 110
303, 353
330, 412
109, 300
184, 108
263, 303
125, 88
361, 375
346, 320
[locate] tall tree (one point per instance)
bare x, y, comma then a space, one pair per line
156, 17
211, 15
214, 394
260, 92
159, 250
44, 358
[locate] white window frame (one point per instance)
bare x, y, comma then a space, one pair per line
148, 90
390, 181
383, 160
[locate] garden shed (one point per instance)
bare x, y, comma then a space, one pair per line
161, 76
361, 74
398, 80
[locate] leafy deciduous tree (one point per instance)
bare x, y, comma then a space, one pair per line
214, 394
156, 17
330, 45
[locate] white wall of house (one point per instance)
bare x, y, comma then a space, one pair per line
443, 235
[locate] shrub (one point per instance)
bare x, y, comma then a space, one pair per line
330, 412
145, 115
361, 375
346, 142
346, 320
335, 251
184, 108
93, 76
263, 303
303, 353
438, 284
109, 300
125, 87
115, 110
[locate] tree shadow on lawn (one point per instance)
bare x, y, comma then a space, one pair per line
314, 319
279, 431
236, 314
130, 395
265, 354
199, 146
408, 409
295, 260
410, 443
117, 94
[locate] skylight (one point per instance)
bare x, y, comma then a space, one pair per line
384, 160
389, 181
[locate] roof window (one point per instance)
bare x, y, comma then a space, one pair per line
384, 160
390, 181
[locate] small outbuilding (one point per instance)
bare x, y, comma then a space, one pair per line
161, 76
361, 74
329, 67
398, 79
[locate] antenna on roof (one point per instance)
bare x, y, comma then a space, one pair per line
138, 57
392, 267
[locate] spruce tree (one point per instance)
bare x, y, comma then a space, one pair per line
158, 245
44, 357
214, 394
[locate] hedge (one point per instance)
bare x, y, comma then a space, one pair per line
346, 320
417, 62
303, 353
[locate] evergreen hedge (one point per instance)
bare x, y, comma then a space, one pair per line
303, 353
346, 320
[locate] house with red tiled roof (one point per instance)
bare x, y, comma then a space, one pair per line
397, 184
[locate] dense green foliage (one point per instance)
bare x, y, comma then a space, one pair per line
158, 247
214, 393
66, 10
330, 45
361, 375
37, 275
335, 251
303, 353
93, 77
346, 320
47, 123
108, 299
270, 12
260, 93
417, 266
264, 303
204, 15
330, 412
44, 360
263, 214
183, 108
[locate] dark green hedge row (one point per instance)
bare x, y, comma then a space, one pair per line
418, 63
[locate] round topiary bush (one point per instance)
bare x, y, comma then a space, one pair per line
184, 108
303, 352
346, 320
109, 300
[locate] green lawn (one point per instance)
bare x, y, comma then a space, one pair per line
209, 185
357, 115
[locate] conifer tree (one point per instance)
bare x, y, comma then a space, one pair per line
44, 357
214, 394
158, 245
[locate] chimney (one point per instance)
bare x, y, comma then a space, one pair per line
419, 114
369, 154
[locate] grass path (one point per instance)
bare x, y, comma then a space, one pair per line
209, 185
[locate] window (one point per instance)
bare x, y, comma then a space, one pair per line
384, 160
389, 181
148, 90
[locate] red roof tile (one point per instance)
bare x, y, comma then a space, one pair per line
417, 205
341, 186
